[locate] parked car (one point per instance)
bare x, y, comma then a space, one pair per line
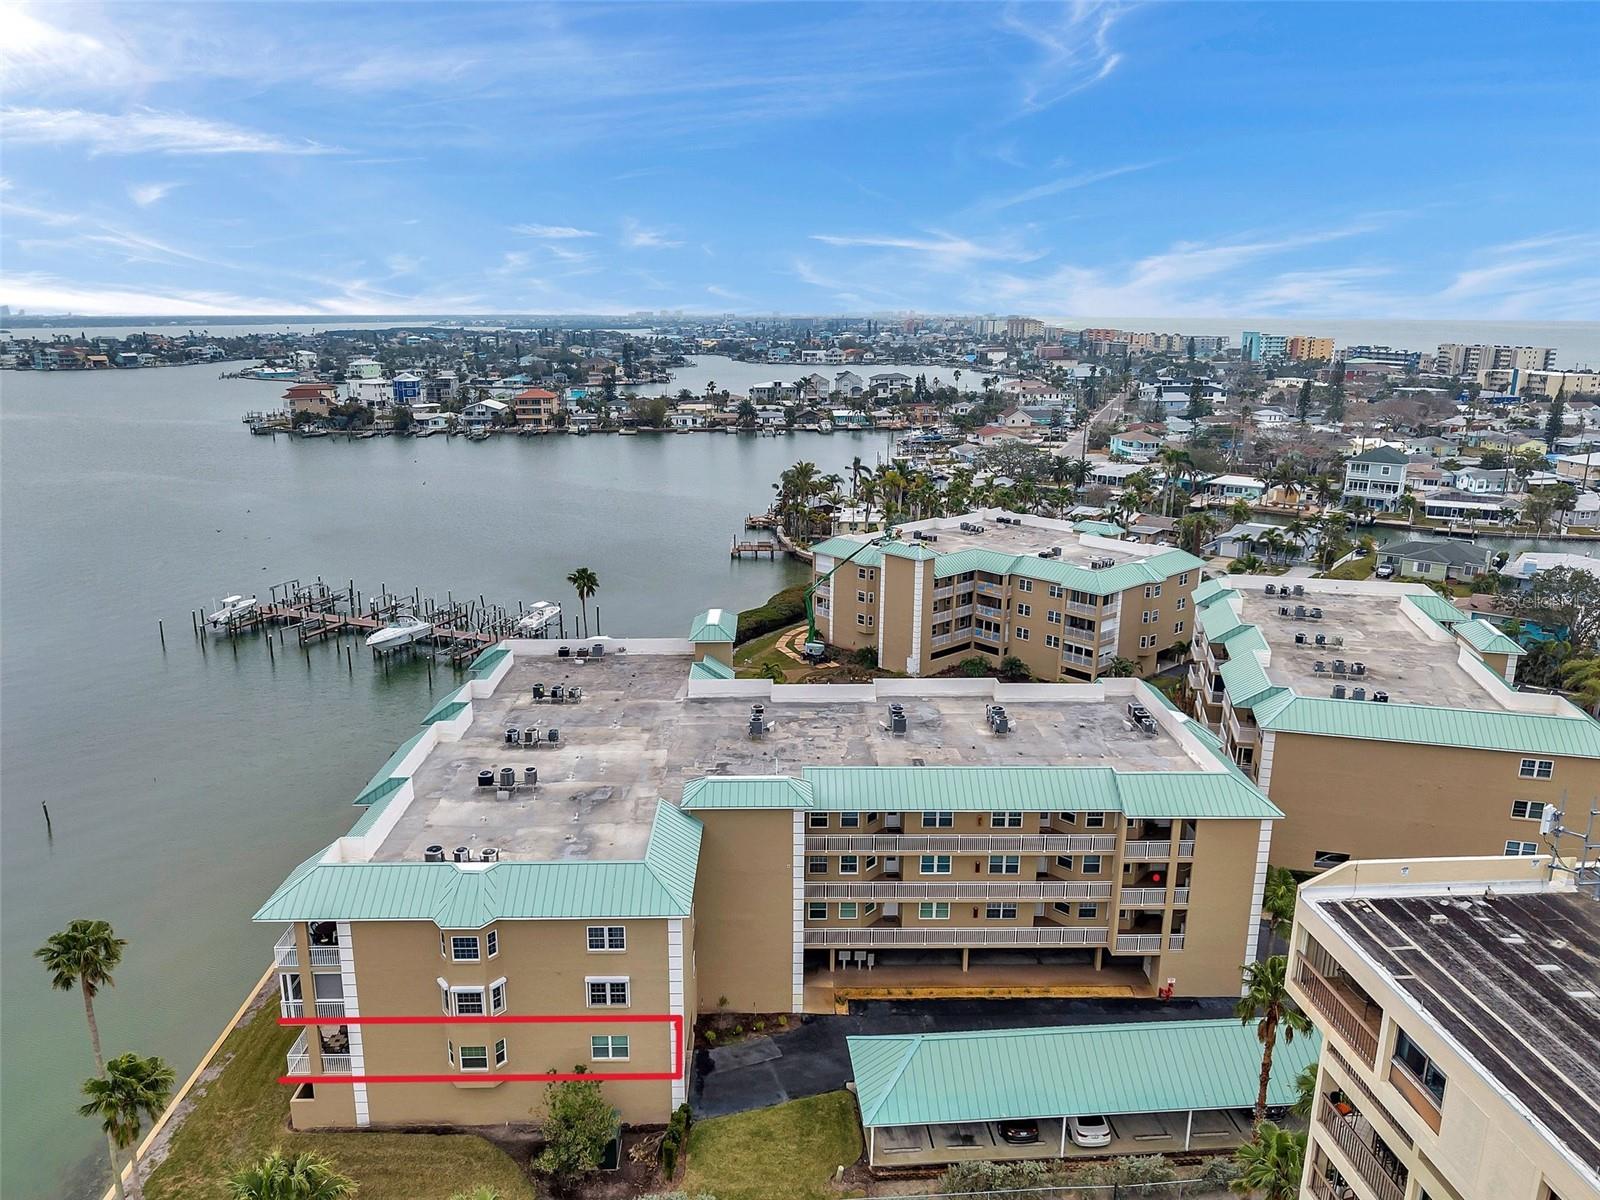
1089, 1132
1019, 1133
1384, 571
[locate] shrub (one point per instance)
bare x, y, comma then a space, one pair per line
867, 658
711, 1035
973, 666
782, 610
1220, 1171
674, 1140
578, 1125
994, 1177
1012, 667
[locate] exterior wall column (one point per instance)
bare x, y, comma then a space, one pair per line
352, 1008
797, 997
1252, 933
677, 1007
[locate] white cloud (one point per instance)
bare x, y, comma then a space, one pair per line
36, 56
940, 251
1075, 48
556, 233
637, 237
146, 194
143, 131
1056, 186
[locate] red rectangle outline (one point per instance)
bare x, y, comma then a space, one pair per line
679, 1068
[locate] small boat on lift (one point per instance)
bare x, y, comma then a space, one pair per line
400, 632
234, 610
537, 622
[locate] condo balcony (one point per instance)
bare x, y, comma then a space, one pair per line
333, 1062
287, 956
963, 843
322, 1008
1042, 889
1378, 1167
890, 932
1340, 1002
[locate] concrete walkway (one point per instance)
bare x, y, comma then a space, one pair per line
812, 1058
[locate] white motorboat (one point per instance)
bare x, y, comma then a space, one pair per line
538, 620
234, 609
399, 633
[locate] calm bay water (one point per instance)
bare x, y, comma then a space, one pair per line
182, 785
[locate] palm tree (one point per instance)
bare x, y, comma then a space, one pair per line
1278, 898
1121, 668
1240, 511
1305, 1091
1266, 1001
1271, 1165
303, 1177
586, 583
83, 955
129, 1090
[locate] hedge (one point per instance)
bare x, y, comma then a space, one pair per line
782, 610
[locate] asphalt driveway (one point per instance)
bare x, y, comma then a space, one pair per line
812, 1058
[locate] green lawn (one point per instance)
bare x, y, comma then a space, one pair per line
244, 1113
1356, 568
749, 658
789, 1152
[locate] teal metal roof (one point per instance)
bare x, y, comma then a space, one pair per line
488, 661
452, 699
1246, 679
1016, 1074
1577, 736
710, 668
1485, 638
1208, 590
1216, 794
842, 548
1104, 582
714, 625
661, 885
1102, 528
915, 551
389, 767
746, 791
1437, 609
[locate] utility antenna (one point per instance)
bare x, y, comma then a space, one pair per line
1552, 827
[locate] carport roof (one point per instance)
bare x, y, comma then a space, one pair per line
1014, 1074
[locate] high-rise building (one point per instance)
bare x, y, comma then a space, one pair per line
1303, 348
1460, 1035
1460, 359
1022, 328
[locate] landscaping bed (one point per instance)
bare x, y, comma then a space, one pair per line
727, 1029
787, 1152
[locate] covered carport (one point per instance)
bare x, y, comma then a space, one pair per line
1167, 1087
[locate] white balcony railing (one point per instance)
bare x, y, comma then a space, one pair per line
1175, 941
1043, 889
1138, 943
961, 843
1180, 895
931, 935
287, 957
336, 1064
1186, 848
322, 1008
1143, 897
1147, 849
1082, 609
299, 1058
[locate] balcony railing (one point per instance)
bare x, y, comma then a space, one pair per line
1180, 895
287, 957
1339, 1012
1138, 943
989, 611
1147, 850
961, 843
1082, 609
1036, 890
298, 1060
322, 1008
1186, 848
928, 935
939, 593
991, 589
1175, 941
1139, 897
1388, 1182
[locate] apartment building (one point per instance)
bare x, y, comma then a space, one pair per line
586, 845
1454, 358
1302, 348
993, 584
1460, 1035
1376, 478
1382, 720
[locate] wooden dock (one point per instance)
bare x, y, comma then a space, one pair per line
754, 549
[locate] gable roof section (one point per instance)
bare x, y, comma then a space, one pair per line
714, 625
746, 791
1533, 733
1014, 1074
383, 782
1485, 638
842, 548
710, 668
1381, 454
661, 885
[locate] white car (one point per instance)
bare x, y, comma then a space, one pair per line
1089, 1132
1384, 571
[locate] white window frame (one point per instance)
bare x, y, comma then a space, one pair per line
850, 820
461, 1055
611, 1041
997, 911
607, 932
1052, 642
1010, 864
491, 939
1088, 912
816, 864
502, 1052
1537, 768
849, 910
1516, 849
817, 820
816, 910
1006, 819
1064, 862
849, 864
928, 910
1096, 868
1024, 610
497, 996
1094, 820
456, 993
1532, 810
1022, 634
941, 819
1024, 585
607, 985
477, 948
933, 864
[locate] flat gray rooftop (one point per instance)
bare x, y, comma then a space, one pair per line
1400, 659
635, 738
1514, 978
1013, 539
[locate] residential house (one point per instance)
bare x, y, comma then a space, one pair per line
536, 407
1582, 469
1440, 561
1375, 478
848, 383
1463, 506
887, 384
1139, 442
1526, 566
317, 399
1475, 481
1225, 489
482, 413
1256, 537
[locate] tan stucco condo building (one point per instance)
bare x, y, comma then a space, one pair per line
580, 852
1065, 600
1456, 999
1379, 718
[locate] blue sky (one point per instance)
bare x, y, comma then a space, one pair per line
1374, 160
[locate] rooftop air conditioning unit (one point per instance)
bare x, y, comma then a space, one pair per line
433, 854
511, 735
462, 854
530, 776
489, 854
508, 777
485, 778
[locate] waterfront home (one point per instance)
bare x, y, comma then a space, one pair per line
1033, 392
690, 416
482, 413
1375, 478
1441, 561
1224, 489
1257, 538
848, 383
407, 388
814, 386
536, 407
1476, 481
856, 518
850, 418
1111, 474
888, 384
1462, 506
1582, 469
363, 368
314, 398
